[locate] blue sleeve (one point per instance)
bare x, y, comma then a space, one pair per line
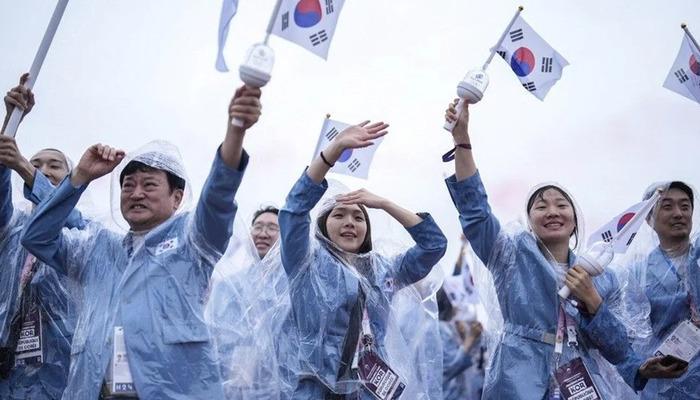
6, 208
295, 222
216, 208
479, 225
419, 260
609, 336
41, 189
455, 359
42, 235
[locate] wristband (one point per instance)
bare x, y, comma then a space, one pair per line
450, 155
326, 161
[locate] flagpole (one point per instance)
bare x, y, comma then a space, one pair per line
16, 115
271, 23
640, 215
690, 35
505, 32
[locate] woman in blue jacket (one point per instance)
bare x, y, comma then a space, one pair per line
341, 290
546, 343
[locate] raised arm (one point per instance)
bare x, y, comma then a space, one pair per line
217, 207
42, 235
430, 245
41, 189
479, 225
6, 208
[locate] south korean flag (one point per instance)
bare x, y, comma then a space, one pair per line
308, 23
612, 232
534, 61
353, 162
684, 77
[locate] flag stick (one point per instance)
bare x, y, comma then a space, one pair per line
16, 115
690, 35
271, 23
505, 32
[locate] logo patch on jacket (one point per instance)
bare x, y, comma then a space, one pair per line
167, 245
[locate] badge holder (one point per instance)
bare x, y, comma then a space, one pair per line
376, 375
119, 380
30, 344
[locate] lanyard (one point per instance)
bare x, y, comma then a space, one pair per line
565, 324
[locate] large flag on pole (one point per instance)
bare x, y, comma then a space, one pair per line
228, 10
534, 61
684, 77
353, 162
308, 23
609, 232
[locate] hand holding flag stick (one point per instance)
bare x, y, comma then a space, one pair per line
472, 87
16, 116
598, 257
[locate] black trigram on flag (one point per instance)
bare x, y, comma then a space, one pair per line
681, 75
502, 54
285, 20
329, 6
516, 35
530, 86
631, 239
318, 37
330, 135
354, 165
607, 236
547, 64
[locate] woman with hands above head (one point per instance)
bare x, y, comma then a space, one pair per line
341, 288
546, 342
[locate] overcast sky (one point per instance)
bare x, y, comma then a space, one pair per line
129, 71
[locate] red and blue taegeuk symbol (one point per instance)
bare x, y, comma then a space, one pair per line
345, 155
624, 220
307, 13
522, 61
694, 65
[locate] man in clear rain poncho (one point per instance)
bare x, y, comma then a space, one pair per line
547, 346
247, 313
343, 292
665, 262
141, 330
37, 305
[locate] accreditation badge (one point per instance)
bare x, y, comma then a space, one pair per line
378, 378
121, 382
575, 382
30, 344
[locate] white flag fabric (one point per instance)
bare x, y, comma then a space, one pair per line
684, 77
228, 10
534, 61
308, 23
610, 230
353, 162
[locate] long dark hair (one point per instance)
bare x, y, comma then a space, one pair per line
538, 195
366, 245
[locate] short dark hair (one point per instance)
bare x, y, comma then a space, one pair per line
538, 195
366, 245
684, 188
174, 181
263, 210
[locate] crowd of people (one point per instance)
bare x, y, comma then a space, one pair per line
305, 305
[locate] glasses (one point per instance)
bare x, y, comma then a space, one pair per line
268, 228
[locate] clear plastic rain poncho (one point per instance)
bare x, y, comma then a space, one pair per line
518, 282
144, 292
351, 310
666, 281
38, 307
247, 313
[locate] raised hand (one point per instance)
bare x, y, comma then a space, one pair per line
10, 156
245, 106
364, 197
360, 135
18, 96
97, 161
460, 130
